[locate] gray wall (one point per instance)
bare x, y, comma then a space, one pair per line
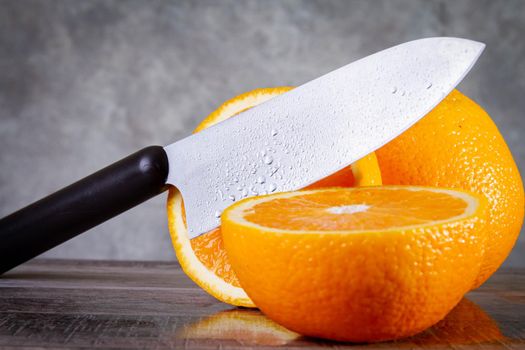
83, 83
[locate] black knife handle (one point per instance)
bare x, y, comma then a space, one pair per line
81, 206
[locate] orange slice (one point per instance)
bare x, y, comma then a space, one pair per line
357, 264
203, 258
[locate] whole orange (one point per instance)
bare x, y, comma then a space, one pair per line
457, 145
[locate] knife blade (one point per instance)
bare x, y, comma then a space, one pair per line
283, 144
315, 129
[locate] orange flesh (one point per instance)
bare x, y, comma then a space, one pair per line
366, 209
209, 249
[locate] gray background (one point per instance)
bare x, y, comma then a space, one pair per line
84, 83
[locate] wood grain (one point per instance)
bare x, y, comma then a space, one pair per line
136, 305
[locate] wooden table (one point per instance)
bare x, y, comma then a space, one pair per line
88, 304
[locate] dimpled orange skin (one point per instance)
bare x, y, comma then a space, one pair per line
360, 287
457, 145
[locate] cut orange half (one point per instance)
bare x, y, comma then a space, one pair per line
203, 258
357, 264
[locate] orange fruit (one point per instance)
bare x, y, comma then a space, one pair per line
203, 258
457, 145
357, 264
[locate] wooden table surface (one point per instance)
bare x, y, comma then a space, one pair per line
100, 304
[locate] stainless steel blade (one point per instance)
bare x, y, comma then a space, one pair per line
315, 129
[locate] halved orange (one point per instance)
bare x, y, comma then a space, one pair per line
357, 264
203, 258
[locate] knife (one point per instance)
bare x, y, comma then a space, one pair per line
284, 144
